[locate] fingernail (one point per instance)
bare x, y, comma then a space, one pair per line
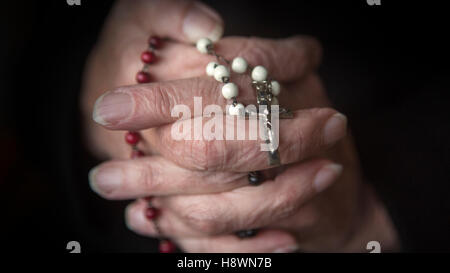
112, 107
201, 21
335, 128
326, 176
104, 180
288, 249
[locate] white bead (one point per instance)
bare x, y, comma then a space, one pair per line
210, 68
276, 88
239, 65
230, 90
274, 101
220, 72
238, 110
203, 44
259, 73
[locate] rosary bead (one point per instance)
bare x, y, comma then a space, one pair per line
151, 213
154, 41
148, 57
203, 45
255, 178
210, 68
166, 246
136, 154
132, 138
142, 77
230, 90
276, 88
246, 233
259, 73
239, 65
274, 101
238, 110
221, 72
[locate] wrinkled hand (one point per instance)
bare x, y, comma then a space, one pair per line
314, 202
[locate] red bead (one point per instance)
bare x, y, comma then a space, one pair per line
155, 41
136, 154
148, 57
151, 213
132, 138
142, 77
166, 246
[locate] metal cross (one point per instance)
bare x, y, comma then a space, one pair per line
264, 98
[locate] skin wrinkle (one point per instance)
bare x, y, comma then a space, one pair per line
171, 219
166, 70
162, 98
283, 204
260, 51
298, 146
258, 55
236, 158
165, 65
264, 211
234, 225
199, 217
154, 177
244, 87
241, 153
224, 214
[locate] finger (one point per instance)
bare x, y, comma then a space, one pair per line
155, 175
309, 133
185, 21
169, 224
265, 241
150, 105
286, 59
253, 207
244, 208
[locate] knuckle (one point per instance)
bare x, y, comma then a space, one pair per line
163, 99
196, 152
258, 53
158, 100
205, 155
297, 147
286, 202
308, 134
201, 218
306, 51
147, 177
315, 50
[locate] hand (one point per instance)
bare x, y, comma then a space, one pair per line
296, 206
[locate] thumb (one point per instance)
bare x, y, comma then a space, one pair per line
185, 21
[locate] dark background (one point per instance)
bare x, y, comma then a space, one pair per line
385, 66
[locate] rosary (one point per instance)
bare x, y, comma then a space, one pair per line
266, 90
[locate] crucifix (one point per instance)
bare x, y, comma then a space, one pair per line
264, 96
264, 112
